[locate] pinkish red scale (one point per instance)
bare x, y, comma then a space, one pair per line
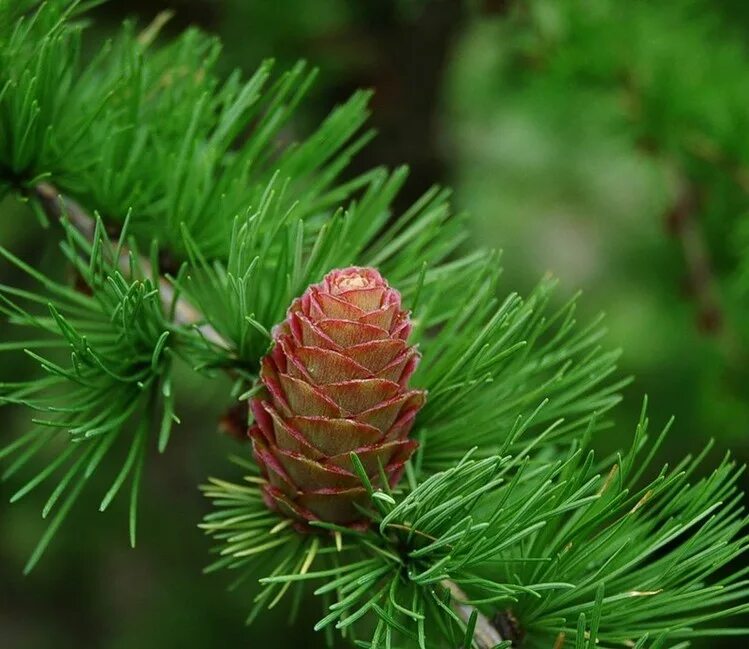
336, 381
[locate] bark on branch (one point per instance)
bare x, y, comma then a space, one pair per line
682, 224
486, 635
57, 206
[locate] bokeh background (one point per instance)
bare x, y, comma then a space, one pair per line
606, 142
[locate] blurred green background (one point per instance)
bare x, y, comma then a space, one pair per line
606, 142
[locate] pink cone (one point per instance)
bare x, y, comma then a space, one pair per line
336, 381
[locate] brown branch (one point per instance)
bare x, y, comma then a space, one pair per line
486, 635
682, 224
57, 206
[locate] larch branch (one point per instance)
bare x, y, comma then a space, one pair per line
58, 206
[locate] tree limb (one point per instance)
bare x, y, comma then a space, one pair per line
57, 206
682, 224
486, 635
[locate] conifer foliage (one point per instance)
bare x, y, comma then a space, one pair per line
191, 229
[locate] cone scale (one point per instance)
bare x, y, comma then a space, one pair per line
335, 382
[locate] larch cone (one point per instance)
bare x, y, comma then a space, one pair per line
336, 381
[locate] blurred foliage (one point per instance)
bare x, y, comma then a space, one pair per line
606, 142
574, 133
